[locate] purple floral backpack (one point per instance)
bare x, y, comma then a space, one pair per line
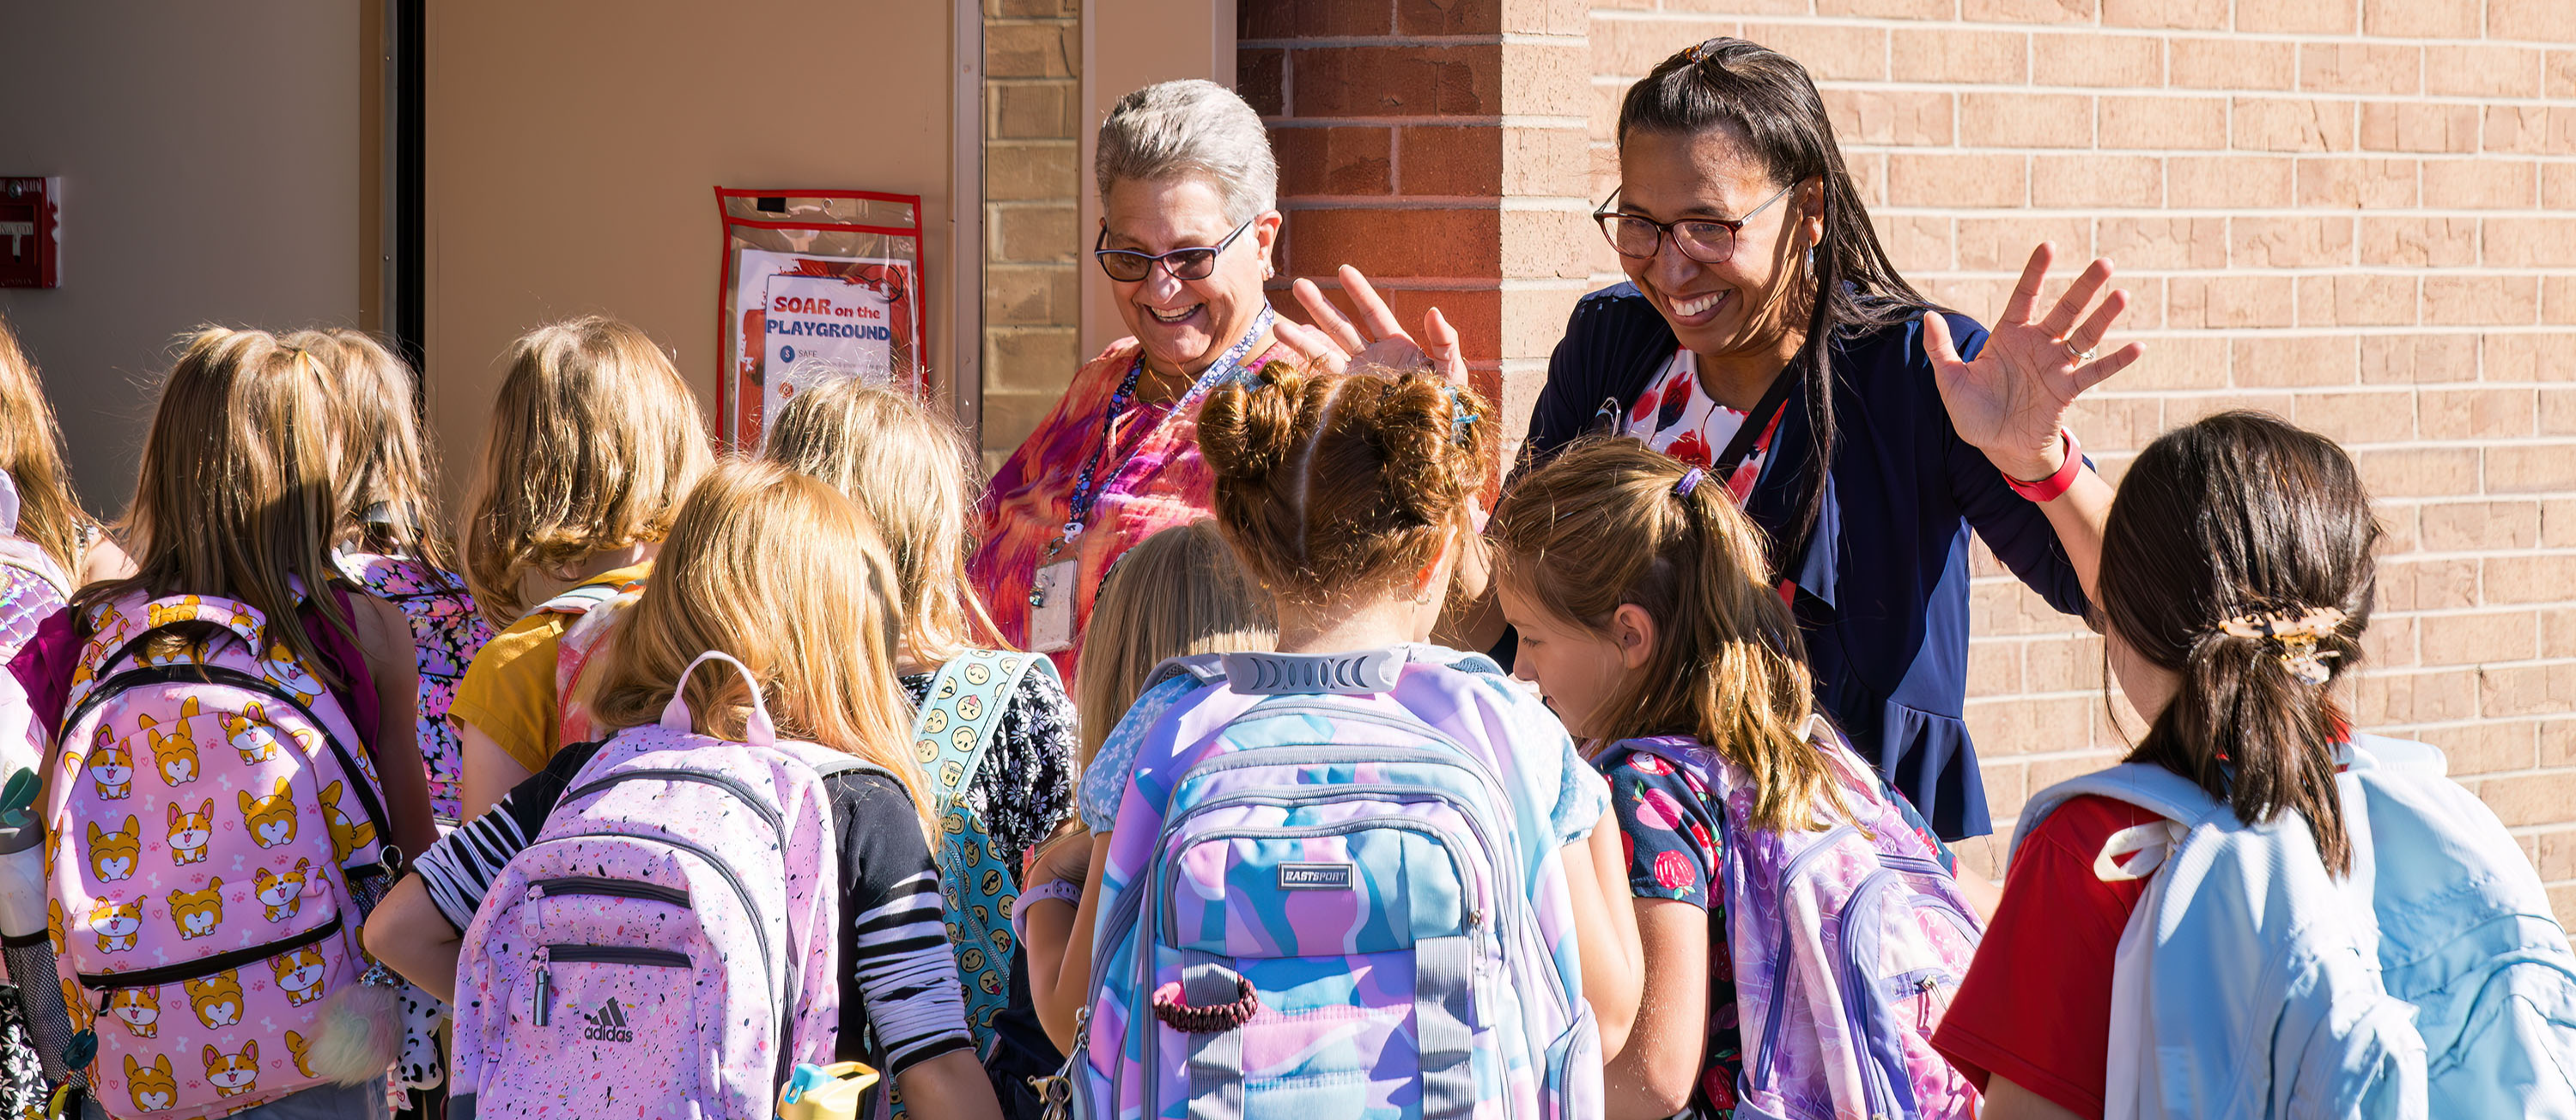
447, 632
665, 946
1848, 945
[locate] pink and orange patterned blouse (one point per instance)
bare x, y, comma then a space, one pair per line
1150, 479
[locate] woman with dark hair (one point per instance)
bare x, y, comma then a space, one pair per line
1765, 337
2264, 912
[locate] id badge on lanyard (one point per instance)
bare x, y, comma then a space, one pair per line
1051, 620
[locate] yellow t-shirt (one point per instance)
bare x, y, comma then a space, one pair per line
509, 689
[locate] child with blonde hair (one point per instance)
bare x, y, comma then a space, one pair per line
1001, 725
228, 689
31, 451
386, 541
594, 442
783, 575
1637, 588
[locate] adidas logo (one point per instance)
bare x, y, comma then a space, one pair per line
608, 1024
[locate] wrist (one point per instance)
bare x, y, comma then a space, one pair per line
2041, 479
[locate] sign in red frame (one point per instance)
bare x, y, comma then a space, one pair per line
869, 241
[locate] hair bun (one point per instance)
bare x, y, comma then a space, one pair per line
1245, 432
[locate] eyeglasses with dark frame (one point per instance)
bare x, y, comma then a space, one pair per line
1128, 266
1706, 240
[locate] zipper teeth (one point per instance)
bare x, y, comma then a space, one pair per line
615, 954
767, 961
207, 966
579, 885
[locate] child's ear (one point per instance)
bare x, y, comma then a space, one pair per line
1634, 630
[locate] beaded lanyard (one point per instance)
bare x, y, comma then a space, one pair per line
1085, 491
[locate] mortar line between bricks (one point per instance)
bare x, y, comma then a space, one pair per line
2191, 93
1444, 120
1480, 39
2084, 30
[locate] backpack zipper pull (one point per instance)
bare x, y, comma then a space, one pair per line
544, 984
531, 921
1923, 1009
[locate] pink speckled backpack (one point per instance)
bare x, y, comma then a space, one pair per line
208, 816
666, 945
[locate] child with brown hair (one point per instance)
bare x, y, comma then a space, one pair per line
387, 542
1349, 497
594, 442
1637, 587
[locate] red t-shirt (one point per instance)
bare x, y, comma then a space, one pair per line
2036, 1006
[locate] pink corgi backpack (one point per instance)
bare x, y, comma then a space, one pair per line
667, 944
210, 815
1848, 942
446, 632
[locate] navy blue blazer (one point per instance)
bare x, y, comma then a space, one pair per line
1883, 582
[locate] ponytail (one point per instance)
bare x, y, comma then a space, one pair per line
2238, 557
1609, 523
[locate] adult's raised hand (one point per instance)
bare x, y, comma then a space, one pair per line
1376, 337
2011, 400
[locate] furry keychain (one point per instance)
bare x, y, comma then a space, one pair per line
359, 1033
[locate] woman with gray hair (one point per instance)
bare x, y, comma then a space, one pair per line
1187, 191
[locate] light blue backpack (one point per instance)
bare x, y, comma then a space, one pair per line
952, 734
2431, 981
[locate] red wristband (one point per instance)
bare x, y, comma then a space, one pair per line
2048, 489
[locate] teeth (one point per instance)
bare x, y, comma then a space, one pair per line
1176, 316
1696, 306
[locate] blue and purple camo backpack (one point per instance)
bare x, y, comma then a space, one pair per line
1334, 890
1848, 941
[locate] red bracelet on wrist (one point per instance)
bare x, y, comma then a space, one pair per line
2050, 488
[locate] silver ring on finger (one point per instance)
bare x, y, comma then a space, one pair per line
2080, 356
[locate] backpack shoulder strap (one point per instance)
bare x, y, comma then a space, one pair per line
962, 712
1205, 668
2142, 784
578, 600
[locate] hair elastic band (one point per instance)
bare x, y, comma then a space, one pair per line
1459, 421
1690, 481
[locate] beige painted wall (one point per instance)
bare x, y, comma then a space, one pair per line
1128, 44
573, 150
210, 157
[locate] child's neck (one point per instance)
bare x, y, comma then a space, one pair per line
1339, 626
610, 561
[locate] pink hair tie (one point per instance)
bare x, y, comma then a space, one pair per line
1690, 479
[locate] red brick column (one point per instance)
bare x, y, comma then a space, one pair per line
1439, 147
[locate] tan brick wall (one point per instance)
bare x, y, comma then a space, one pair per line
2358, 214
1032, 183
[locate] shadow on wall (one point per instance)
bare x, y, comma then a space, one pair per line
211, 158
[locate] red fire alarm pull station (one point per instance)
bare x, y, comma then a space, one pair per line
30, 245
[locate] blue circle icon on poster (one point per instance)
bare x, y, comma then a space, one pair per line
786, 353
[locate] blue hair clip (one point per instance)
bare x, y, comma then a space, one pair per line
1689, 482
1459, 421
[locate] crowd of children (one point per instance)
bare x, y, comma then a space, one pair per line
676, 774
